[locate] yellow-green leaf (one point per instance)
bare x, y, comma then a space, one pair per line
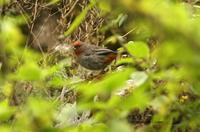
138, 49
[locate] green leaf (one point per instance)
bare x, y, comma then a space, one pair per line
107, 84
122, 19
6, 111
119, 126
29, 72
51, 2
105, 6
56, 81
121, 61
138, 78
138, 49
10, 33
41, 110
2, 2
7, 89
5, 128
139, 98
166, 127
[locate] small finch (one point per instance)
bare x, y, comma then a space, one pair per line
93, 57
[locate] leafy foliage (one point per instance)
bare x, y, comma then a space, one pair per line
155, 87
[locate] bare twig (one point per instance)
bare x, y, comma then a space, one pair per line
71, 9
128, 32
34, 14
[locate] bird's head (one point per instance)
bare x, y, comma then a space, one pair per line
77, 46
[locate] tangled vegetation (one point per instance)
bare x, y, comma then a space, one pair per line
152, 86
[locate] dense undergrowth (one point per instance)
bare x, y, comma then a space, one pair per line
152, 86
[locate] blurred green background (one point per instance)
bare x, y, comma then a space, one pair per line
152, 86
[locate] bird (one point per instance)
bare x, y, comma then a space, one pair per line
92, 57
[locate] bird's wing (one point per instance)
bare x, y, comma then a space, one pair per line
104, 51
